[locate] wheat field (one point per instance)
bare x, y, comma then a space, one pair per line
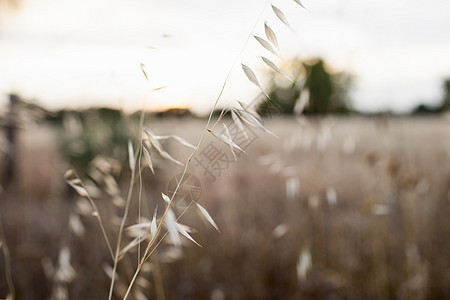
332, 208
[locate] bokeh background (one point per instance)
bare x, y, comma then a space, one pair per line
342, 190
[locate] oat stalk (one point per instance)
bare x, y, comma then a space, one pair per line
152, 242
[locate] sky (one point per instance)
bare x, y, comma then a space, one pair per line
80, 53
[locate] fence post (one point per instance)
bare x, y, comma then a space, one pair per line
11, 136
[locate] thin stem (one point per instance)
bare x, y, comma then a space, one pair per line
200, 142
99, 218
96, 213
139, 202
127, 206
145, 257
119, 238
157, 278
8, 274
165, 234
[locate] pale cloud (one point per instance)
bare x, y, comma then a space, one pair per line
84, 52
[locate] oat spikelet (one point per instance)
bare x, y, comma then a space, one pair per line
171, 224
181, 229
300, 3
165, 198
238, 123
274, 67
252, 77
249, 110
131, 158
253, 121
271, 35
228, 135
69, 173
79, 189
207, 216
156, 144
143, 70
280, 15
225, 139
266, 45
176, 138
148, 159
304, 264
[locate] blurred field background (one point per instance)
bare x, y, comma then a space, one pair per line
335, 208
343, 192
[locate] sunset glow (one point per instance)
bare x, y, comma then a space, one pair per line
82, 53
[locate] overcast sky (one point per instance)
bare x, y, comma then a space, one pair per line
76, 53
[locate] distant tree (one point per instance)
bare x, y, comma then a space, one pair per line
328, 92
423, 109
443, 106
282, 100
320, 86
88, 134
174, 113
340, 100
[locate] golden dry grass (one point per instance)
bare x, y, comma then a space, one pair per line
334, 208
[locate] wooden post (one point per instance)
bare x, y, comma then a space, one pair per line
11, 136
